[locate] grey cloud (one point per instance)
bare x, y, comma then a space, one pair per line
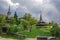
56, 3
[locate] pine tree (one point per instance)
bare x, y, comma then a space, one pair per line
16, 17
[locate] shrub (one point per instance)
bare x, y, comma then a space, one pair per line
55, 30
12, 28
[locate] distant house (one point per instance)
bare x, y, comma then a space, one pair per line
41, 22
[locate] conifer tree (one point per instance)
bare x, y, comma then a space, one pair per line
16, 17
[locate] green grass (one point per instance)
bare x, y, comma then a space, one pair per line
10, 37
58, 38
36, 32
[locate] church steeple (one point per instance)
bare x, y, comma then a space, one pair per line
41, 22
9, 13
41, 18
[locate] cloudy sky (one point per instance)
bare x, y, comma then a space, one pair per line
50, 9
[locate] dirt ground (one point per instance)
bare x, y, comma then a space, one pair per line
30, 39
14, 39
5, 38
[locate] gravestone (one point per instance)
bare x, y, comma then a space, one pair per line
46, 38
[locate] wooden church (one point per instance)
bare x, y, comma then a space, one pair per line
41, 22
7, 17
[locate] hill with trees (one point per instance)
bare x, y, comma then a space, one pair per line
26, 25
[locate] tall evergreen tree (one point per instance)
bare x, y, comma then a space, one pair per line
16, 17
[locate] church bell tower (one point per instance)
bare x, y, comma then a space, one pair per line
8, 15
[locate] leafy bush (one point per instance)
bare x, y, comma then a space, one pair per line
55, 30
12, 28
2, 22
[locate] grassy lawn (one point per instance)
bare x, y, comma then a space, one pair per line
36, 32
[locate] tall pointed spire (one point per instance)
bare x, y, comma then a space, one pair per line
40, 17
9, 13
41, 22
